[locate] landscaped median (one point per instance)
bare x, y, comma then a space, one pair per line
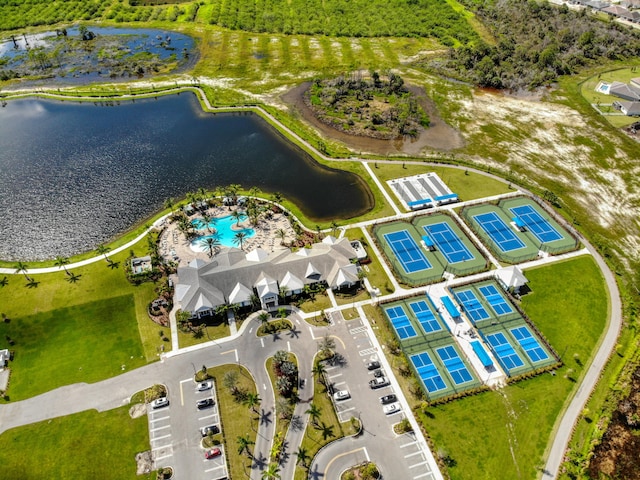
323, 426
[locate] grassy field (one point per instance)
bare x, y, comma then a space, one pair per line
91, 328
84, 445
503, 434
83, 343
235, 420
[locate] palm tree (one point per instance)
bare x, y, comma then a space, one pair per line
252, 400
237, 216
206, 219
281, 234
272, 472
243, 445
103, 250
277, 197
21, 267
319, 370
263, 317
62, 262
169, 203
303, 456
212, 243
334, 228
233, 191
314, 412
238, 238
4, 282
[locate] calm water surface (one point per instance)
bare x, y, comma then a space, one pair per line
73, 175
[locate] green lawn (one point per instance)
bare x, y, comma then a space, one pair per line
503, 434
83, 343
84, 331
84, 445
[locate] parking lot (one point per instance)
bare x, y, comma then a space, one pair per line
176, 433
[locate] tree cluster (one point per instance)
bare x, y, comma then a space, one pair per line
374, 106
286, 374
352, 18
535, 43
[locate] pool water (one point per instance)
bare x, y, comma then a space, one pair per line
223, 232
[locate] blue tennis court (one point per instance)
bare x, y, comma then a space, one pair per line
529, 344
504, 351
400, 322
428, 372
500, 233
497, 301
425, 316
454, 364
471, 304
448, 242
407, 251
536, 223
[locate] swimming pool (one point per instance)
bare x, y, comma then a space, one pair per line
223, 231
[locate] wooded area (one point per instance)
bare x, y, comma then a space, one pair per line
536, 42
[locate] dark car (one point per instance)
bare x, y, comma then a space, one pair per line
209, 429
378, 373
207, 402
388, 399
373, 365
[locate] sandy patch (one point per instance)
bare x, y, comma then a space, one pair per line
138, 410
552, 141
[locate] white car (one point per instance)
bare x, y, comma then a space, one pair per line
160, 402
391, 408
341, 395
203, 386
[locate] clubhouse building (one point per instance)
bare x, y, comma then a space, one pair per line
238, 278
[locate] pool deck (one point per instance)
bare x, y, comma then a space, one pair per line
174, 245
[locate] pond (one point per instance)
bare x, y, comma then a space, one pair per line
74, 175
112, 53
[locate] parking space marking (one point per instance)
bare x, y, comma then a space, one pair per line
413, 454
214, 468
159, 428
368, 351
208, 416
418, 464
160, 419
164, 456
155, 439
347, 409
262, 342
353, 331
338, 384
161, 447
334, 376
426, 474
408, 444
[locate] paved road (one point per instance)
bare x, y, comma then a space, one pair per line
565, 427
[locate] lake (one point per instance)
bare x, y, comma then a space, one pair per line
74, 175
